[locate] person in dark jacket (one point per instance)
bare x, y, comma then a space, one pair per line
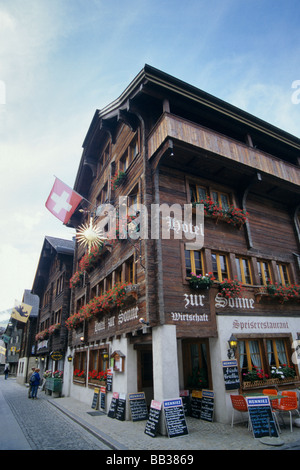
35, 382
30, 384
6, 371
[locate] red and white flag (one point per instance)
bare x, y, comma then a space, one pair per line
62, 201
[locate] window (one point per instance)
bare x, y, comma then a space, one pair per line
47, 297
98, 362
57, 316
197, 193
277, 353
59, 285
118, 275
264, 272
80, 303
263, 354
104, 158
243, 270
79, 365
250, 355
130, 270
108, 282
219, 266
129, 155
283, 275
193, 262
133, 200
103, 195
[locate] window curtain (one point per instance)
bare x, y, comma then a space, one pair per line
241, 346
281, 351
255, 353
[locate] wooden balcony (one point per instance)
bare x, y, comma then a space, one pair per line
173, 127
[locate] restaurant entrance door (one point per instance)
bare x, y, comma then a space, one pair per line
145, 371
196, 364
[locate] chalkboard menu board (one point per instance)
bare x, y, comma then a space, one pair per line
121, 407
231, 374
138, 406
195, 408
175, 418
113, 405
102, 397
207, 405
109, 381
153, 419
185, 397
262, 420
95, 402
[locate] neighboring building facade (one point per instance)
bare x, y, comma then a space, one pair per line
133, 309
27, 357
51, 285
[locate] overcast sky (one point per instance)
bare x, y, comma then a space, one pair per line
60, 60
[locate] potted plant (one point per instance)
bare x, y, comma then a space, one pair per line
197, 281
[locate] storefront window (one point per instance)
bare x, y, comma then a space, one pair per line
264, 358
98, 362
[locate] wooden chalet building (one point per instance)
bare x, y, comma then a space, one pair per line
52, 285
134, 305
27, 357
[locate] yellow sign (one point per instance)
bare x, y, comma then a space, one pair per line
21, 312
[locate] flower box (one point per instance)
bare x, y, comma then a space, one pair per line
54, 384
79, 380
100, 383
268, 382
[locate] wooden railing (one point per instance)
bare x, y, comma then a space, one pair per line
170, 126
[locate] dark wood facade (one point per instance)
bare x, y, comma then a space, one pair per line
170, 139
52, 286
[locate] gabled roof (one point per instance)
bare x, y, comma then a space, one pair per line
31, 299
51, 247
60, 245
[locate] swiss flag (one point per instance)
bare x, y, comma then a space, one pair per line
62, 201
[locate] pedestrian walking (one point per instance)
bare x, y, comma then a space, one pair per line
35, 382
6, 371
30, 384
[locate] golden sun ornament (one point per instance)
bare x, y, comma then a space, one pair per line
90, 235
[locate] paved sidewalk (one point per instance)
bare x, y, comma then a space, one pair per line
203, 435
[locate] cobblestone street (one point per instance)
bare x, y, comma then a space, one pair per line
45, 427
